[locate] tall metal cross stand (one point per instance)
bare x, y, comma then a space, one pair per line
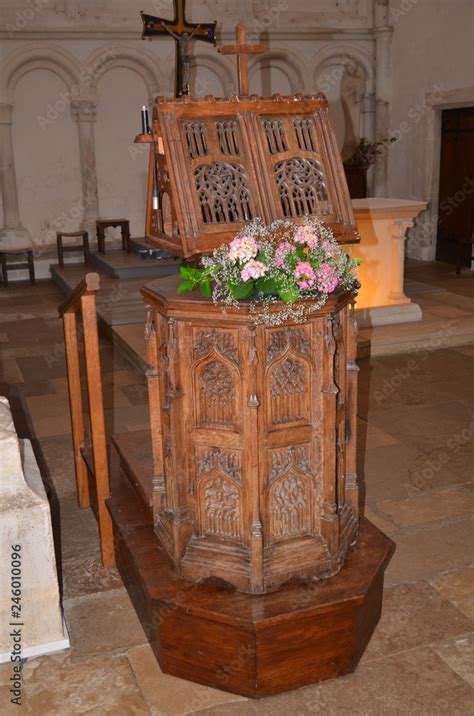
182, 32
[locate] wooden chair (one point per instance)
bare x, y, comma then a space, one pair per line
82, 300
461, 244
103, 224
83, 246
17, 265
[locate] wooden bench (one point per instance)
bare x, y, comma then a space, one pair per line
103, 224
17, 265
83, 246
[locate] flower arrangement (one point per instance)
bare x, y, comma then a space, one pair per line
287, 271
366, 153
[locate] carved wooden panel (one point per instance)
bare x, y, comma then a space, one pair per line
220, 508
216, 379
223, 192
288, 376
215, 393
289, 494
224, 162
261, 485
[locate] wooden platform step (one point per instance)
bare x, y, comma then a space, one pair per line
246, 644
119, 264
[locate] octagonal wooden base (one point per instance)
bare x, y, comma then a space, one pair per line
254, 645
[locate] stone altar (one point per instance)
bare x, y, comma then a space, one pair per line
383, 226
25, 521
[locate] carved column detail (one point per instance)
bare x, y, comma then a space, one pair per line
383, 41
13, 233
84, 114
399, 236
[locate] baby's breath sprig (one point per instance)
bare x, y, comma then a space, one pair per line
286, 271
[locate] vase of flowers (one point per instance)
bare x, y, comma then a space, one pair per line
286, 271
365, 155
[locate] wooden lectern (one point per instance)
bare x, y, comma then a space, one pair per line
239, 536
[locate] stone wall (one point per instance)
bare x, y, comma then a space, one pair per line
74, 73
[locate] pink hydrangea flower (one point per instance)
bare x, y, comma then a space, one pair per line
305, 276
253, 270
305, 235
243, 248
282, 251
327, 279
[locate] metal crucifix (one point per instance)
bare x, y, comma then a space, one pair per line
182, 32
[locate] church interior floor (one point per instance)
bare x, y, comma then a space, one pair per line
416, 451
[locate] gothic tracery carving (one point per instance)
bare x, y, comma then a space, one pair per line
295, 338
301, 187
219, 459
223, 193
287, 379
220, 341
289, 507
221, 508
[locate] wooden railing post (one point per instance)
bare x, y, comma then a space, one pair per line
75, 406
83, 297
96, 412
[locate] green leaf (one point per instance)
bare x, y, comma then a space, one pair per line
190, 273
268, 285
289, 294
205, 287
242, 290
186, 286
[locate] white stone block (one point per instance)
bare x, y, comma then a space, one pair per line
30, 608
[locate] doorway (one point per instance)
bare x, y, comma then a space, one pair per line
456, 187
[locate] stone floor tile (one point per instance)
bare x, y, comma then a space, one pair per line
425, 427
10, 371
421, 509
82, 570
454, 458
459, 655
370, 436
414, 615
390, 472
458, 587
105, 685
414, 683
382, 524
168, 696
101, 623
426, 552
59, 458
8, 708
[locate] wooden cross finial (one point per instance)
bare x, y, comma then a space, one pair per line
242, 50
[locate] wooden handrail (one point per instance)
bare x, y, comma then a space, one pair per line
83, 298
89, 284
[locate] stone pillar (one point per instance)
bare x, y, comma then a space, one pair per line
84, 112
13, 234
383, 40
368, 130
399, 236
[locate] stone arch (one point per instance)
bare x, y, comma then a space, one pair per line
287, 62
37, 56
344, 55
142, 62
220, 66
